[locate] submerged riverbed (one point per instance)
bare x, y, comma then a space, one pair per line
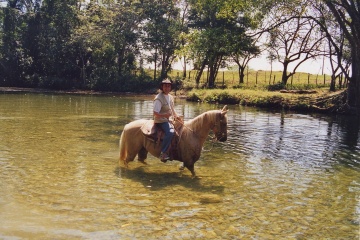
279, 175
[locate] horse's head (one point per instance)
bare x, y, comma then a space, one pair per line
220, 127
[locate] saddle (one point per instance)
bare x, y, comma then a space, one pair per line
156, 134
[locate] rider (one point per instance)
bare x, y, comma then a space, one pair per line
163, 110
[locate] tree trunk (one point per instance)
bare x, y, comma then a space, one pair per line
199, 73
354, 82
121, 53
241, 74
212, 77
155, 64
332, 83
184, 68
285, 77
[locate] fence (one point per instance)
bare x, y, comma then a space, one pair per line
262, 78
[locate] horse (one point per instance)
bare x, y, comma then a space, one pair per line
190, 141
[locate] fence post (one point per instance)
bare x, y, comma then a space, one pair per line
256, 78
265, 78
292, 77
324, 79
308, 78
223, 78
247, 75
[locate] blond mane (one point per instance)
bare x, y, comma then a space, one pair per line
198, 122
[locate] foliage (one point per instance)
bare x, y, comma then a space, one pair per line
163, 28
219, 31
345, 15
69, 44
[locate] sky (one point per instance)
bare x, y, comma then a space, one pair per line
309, 66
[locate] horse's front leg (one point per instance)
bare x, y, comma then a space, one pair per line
125, 163
190, 167
193, 174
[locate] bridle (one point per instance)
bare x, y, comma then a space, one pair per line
219, 130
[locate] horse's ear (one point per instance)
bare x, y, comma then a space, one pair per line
224, 110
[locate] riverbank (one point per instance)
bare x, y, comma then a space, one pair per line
318, 100
315, 100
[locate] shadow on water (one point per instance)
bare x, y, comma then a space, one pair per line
159, 180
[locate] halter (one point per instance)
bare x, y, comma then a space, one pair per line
217, 126
217, 129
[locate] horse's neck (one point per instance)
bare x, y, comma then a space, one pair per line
201, 126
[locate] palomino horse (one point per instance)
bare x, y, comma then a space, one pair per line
190, 142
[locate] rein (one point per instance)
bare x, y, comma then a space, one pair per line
213, 138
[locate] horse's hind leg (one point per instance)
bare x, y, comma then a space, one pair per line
142, 155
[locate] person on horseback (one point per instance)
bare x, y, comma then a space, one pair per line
163, 110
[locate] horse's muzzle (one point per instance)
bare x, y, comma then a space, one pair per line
221, 137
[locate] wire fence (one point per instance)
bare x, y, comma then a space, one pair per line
263, 78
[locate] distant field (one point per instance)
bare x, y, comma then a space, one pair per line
256, 79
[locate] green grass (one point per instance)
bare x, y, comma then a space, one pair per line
266, 99
255, 79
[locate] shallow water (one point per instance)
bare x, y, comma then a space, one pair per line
279, 175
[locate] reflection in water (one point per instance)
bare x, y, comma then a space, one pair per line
279, 175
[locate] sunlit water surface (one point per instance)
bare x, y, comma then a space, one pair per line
279, 175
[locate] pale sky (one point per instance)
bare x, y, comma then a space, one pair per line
309, 66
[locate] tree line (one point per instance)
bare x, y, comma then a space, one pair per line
108, 44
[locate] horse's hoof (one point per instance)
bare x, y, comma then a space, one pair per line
181, 168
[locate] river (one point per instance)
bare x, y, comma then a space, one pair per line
280, 175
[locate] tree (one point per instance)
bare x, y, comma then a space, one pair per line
243, 52
182, 52
125, 34
345, 14
45, 40
2, 67
294, 40
217, 26
162, 28
11, 44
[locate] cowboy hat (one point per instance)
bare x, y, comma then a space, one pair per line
165, 81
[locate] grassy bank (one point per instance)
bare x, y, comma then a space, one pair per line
303, 92
319, 100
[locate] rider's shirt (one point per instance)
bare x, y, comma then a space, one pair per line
162, 104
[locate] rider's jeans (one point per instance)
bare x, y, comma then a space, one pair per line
169, 133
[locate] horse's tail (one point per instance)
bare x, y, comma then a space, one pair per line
122, 145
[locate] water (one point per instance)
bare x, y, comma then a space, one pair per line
279, 175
